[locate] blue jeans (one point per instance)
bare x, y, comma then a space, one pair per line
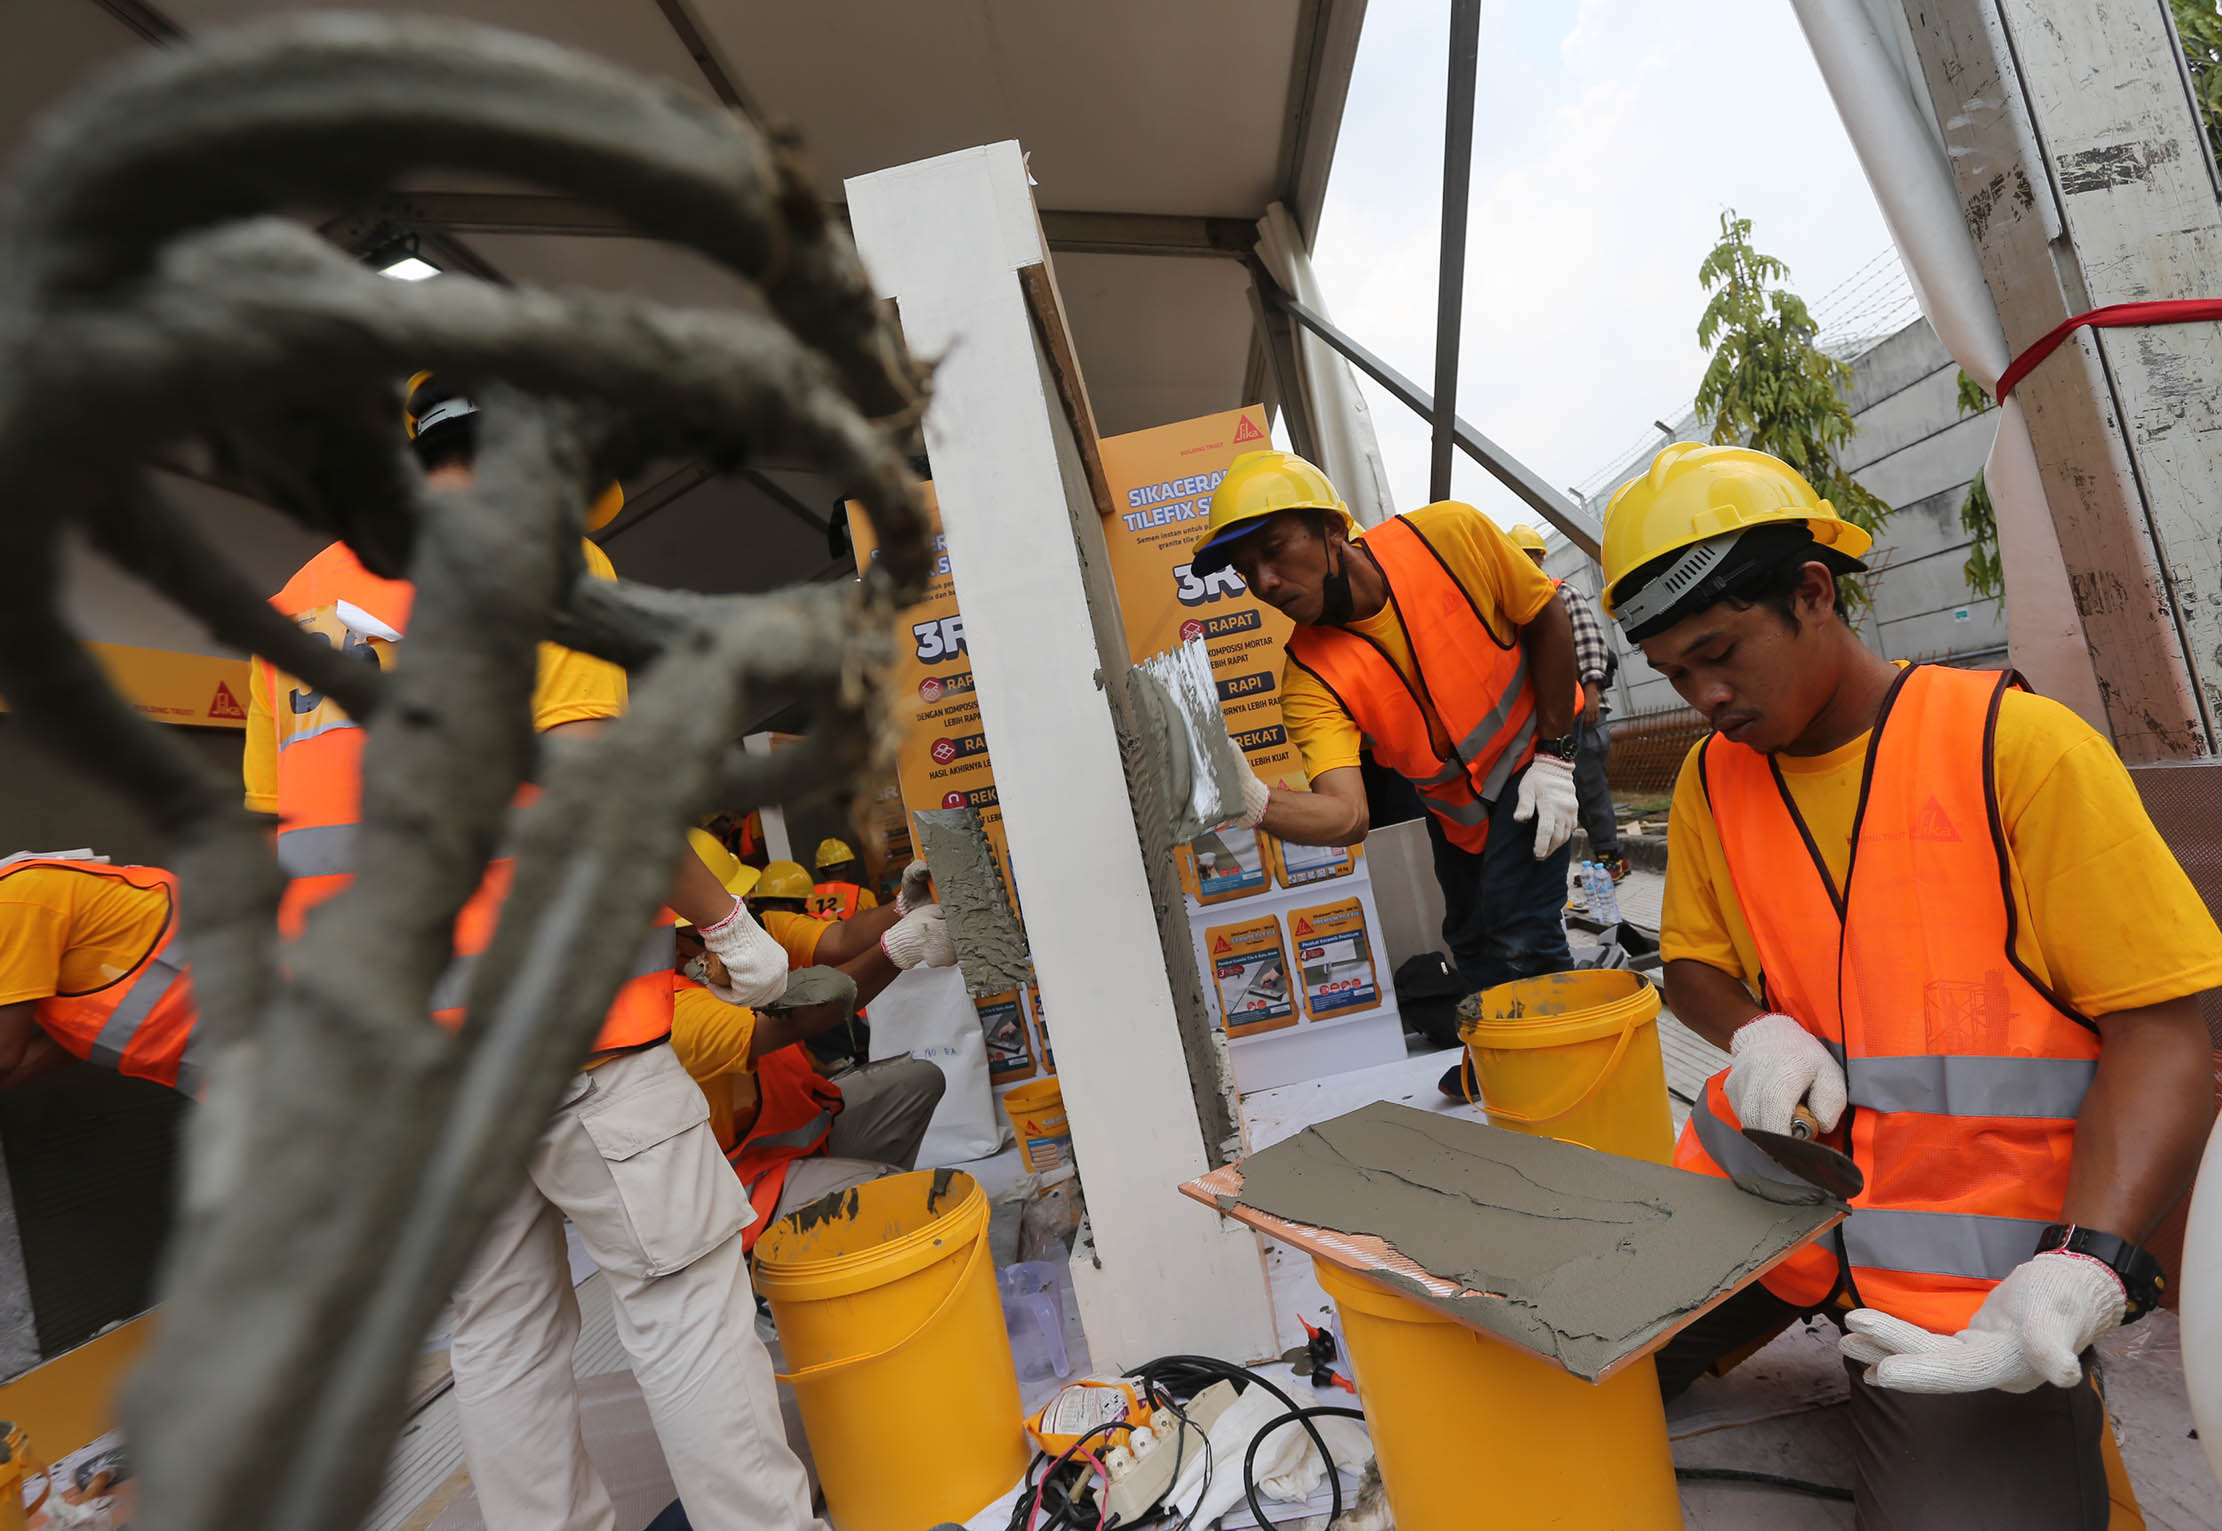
1504, 912
1592, 791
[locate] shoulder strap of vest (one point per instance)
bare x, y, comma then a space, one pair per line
1434, 552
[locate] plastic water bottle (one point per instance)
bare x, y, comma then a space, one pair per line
1604, 898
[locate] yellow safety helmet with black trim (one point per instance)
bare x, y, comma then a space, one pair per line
832, 852
1526, 538
784, 879
1699, 501
1259, 485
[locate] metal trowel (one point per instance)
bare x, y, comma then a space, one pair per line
1803, 1154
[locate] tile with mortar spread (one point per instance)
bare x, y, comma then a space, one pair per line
1573, 1254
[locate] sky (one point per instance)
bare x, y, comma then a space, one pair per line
1609, 135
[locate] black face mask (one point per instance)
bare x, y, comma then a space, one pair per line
1334, 595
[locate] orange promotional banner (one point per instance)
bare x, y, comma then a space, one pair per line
201, 690
1161, 483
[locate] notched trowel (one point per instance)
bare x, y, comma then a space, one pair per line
1803, 1154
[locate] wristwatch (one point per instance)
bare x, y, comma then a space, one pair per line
1561, 748
2142, 1278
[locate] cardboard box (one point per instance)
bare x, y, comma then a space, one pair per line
1249, 968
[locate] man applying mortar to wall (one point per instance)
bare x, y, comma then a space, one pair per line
1435, 639
1974, 961
628, 1156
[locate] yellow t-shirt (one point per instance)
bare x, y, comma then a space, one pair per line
711, 1039
68, 932
570, 688
1505, 584
799, 934
2112, 917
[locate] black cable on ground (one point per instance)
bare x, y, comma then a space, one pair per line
1762, 1480
1326, 1457
1194, 1373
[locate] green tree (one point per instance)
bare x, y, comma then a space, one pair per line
1769, 387
2199, 25
1986, 576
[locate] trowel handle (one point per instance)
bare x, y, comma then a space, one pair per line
1803, 1123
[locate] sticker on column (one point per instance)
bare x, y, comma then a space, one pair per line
1003, 1028
1227, 863
1249, 967
1336, 958
1300, 865
1041, 1029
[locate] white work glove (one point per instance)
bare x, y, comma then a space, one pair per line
1547, 796
1255, 795
2031, 1330
1775, 1064
917, 890
755, 964
920, 939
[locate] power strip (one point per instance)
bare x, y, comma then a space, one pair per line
1142, 1469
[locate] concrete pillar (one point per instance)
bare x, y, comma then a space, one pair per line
2085, 180
946, 238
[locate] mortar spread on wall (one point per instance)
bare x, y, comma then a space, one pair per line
991, 945
1574, 1254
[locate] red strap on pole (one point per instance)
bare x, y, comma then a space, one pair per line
2113, 316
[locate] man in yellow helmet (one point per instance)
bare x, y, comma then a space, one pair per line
1594, 663
839, 892
1433, 639
1927, 908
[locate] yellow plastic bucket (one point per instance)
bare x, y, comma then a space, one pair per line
891, 1324
1469, 1430
1574, 1056
1037, 1113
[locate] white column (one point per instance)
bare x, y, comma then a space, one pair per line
945, 238
771, 816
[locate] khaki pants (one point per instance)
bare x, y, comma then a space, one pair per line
885, 1107
630, 1159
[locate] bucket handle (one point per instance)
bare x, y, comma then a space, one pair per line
820, 1368
1536, 1119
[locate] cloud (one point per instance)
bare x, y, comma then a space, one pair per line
1604, 155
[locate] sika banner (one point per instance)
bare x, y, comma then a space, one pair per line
942, 761
1161, 484
201, 690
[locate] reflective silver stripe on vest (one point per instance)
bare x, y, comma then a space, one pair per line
1482, 732
1939, 1243
131, 1012
322, 728
1949, 1085
324, 850
804, 1136
1509, 761
1738, 1156
655, 954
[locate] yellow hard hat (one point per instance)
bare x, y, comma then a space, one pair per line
735, 875
832, 852
1526, 538
784, 879
605, 507
1257, 485
426, 404
1693, 493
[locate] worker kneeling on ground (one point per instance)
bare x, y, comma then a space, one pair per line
1977, 967
628, 1156
1436, 639
840, 891
792, 1132
89, 969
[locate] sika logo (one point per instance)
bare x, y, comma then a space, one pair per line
1933, 823
1303, 928
952, 799
224, 705
1245, 431
1191, 630
944, 751
929, 690
1222, 945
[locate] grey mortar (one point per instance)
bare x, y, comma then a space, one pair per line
991, 945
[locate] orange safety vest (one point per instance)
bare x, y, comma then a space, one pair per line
1472, 681
794, 1119
320, 750
1965, 1070
835, 900
140, 1023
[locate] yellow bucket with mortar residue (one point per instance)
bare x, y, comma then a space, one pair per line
1573, 1056
892, 1329
1037, 1113
1467, 1429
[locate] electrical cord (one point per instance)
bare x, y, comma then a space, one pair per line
1194, 1373
1026, 1512
1305, 1418
1763, 1480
